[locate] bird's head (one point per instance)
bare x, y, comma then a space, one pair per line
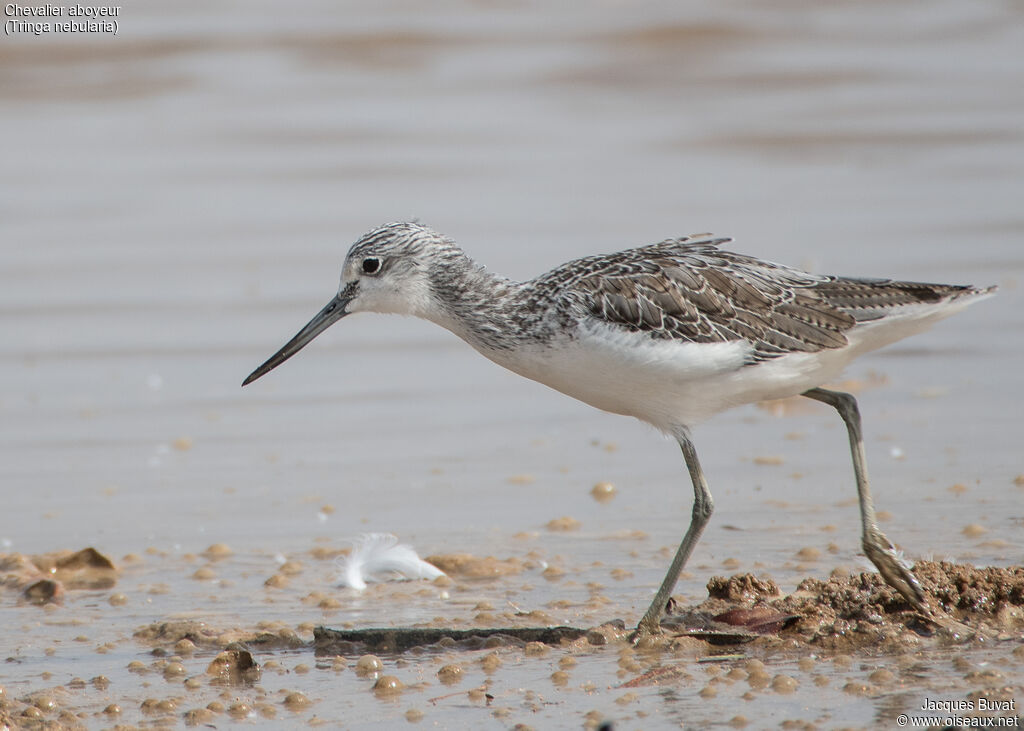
387, 270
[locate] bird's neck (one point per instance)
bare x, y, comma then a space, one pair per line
479, 306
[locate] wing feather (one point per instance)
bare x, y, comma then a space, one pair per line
692, 291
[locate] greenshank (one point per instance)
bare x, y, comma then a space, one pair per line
670, 333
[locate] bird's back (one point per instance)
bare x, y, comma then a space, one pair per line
690, 290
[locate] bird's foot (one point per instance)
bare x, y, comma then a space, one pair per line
894, 570
644, 631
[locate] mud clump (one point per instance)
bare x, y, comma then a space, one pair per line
468, 566
961, 588
43, 591
742, 587
42, 578
850, 613
234, 667
200, 634
85, 569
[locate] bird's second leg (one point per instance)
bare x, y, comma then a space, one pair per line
876, 546
702, 508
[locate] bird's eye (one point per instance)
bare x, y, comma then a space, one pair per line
371, 265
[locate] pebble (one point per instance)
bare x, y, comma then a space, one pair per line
295, 701
198, 717
217, 551
808, 553
368, 665
565, 523
490, 662
603, 492
174, 670
535, 649
784, 684
450, 674
239, 709
388, 685
758, 679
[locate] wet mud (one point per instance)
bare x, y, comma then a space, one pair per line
745, 628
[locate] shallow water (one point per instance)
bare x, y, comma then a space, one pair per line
175, 203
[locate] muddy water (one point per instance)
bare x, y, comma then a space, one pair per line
176, 202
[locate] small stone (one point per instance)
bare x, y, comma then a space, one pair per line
45, 703
388, 685
490, 662
784, 684
414, 715
450, 674
239, 709
535, 649
43, 591
217, 551
198, 717
758, 679
174, 670
277, 581
295, 701
603, 492
368, 665
234, 667
563, 524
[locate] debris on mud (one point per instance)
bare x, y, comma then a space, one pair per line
42, 578
234, 666
861, 611
468, 566
334, 642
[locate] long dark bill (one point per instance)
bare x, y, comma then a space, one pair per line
334, 311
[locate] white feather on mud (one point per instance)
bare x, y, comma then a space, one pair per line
380, 557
